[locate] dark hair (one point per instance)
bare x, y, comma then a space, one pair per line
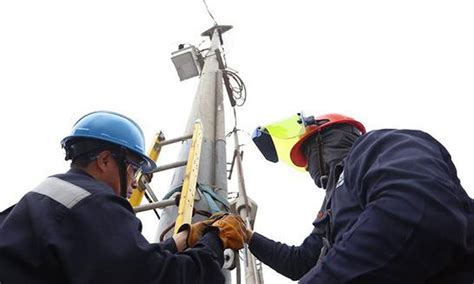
82, 161
83, 151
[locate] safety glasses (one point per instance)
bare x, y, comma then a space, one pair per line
134, 166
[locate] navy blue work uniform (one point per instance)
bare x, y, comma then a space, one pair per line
396, 214
74, 229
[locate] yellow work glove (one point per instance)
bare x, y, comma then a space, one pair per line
232, 231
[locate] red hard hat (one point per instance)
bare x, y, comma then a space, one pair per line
297, 154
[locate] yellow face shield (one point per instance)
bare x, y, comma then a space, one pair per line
276, 140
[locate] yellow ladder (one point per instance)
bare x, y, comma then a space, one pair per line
154, 152
186, 202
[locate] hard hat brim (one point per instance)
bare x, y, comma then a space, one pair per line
297, 154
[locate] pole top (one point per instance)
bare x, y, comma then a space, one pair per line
220, 29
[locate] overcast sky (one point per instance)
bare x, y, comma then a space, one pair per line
390, 64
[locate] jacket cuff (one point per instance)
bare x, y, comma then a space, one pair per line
214, 243
255, 240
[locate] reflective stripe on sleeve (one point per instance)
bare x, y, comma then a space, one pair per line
61, 191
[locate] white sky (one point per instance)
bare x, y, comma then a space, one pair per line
390, 64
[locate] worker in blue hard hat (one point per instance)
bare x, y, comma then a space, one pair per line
394, 210
122, 137
78, 227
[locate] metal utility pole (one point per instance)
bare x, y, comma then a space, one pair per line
208, 107
244, 208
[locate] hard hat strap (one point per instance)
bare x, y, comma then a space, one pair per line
321, 165
122, 167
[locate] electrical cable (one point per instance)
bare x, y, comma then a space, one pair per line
151, 201
210, 14
235, 118
239, 90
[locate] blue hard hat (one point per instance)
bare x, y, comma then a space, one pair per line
114, 128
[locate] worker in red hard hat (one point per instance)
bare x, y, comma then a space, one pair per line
77, 227
394, 210
345, 131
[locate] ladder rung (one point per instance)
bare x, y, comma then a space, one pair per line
155, 205
174, 140
170, 166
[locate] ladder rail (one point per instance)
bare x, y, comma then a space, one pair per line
186, 203
154, 152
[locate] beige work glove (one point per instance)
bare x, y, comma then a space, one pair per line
232, 231
198, 229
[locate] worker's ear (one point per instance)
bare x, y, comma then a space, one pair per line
104, 160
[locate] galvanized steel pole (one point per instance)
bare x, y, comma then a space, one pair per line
251, 273
208, 106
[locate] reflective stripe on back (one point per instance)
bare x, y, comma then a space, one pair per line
61, 191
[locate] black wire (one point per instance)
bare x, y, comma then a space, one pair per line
235, 125
239, 90
235, 118
223, 57
151, 201
210, 14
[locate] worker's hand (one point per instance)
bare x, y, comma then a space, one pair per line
232, 231
198, 229
180, 240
